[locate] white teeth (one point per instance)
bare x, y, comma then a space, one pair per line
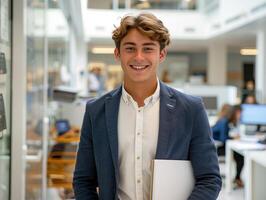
138, 67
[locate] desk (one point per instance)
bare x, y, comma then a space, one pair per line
62, 158
242, 148
256, 175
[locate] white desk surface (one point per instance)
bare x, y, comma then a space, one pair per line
245, 145
258, 157
243, 148
255, 176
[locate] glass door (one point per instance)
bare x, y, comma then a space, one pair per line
5, 97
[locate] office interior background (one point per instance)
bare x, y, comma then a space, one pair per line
52, 51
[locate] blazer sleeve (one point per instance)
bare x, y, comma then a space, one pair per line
85, 175
203, 156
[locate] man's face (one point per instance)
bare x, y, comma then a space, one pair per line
139, 56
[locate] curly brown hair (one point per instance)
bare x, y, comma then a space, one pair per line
147, 24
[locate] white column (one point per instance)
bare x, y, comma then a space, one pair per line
217, 63
19, 74
115, 4
72, 56
127, 4
82, 62
77, 58
260, 70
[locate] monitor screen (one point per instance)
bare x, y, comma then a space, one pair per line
253, 114
62, 126
210, 102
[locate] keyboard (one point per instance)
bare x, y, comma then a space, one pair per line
262, 141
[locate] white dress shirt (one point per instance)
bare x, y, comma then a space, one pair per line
138, 129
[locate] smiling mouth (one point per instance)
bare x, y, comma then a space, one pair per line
139, 67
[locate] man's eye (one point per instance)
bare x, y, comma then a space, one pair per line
129, 49
147, 49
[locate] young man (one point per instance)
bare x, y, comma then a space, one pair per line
144, 119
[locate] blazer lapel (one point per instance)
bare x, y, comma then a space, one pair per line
167, 106
111, 117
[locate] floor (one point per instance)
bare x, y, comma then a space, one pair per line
236, 194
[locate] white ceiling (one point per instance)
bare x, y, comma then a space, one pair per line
243, 36
235, 40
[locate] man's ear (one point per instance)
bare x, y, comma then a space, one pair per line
163, 54
117, 54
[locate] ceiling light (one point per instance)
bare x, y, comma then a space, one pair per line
102, 50
248, 52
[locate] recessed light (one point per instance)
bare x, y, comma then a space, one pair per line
248, 52
102, 50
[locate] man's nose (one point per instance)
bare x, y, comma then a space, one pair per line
139, 55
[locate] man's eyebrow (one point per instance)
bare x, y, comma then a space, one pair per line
144, 44
149, 43
128, 43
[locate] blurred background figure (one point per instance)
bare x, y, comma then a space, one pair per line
248, 90
64, 74
166, 77
220, 129
96, 82
234, 133
250, 99
227, 127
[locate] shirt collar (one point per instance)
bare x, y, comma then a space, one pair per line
151, 99
126, 97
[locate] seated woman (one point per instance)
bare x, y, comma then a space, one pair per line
234, 133
221, 128
228, 122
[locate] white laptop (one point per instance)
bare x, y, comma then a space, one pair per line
172, 180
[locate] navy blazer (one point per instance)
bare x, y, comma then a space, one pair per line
184, 134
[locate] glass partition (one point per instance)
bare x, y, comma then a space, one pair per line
48, 175
5, 98
35, 98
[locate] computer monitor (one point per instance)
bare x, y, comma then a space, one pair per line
253, 114
62, 126
210, 103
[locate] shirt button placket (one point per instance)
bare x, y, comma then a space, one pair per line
138, 153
